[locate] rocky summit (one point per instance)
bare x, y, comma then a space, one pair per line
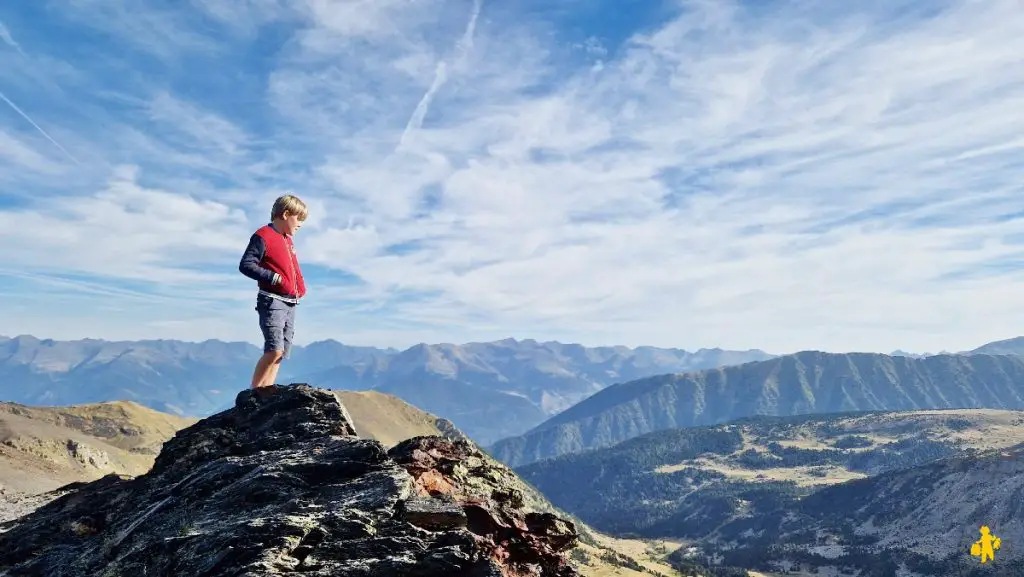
280, 484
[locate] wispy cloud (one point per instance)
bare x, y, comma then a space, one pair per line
125, 231
165, 33
811, 176
201, 130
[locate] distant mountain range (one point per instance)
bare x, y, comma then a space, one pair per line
1014, 346
803, 383
488, 390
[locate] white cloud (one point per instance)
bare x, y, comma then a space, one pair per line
826, 177
125, 231
15, 151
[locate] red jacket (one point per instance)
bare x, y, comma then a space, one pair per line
271, 252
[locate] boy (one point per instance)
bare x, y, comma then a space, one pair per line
270, 261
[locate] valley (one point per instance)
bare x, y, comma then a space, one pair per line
767, 492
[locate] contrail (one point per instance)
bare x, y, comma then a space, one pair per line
416, 120
467, 37
441, 76
41, 131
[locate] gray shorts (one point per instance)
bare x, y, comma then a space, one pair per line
277, 321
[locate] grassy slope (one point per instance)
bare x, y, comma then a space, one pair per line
42, 448
386, 418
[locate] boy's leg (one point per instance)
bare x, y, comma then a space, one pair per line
286, 338
266, 369
273, 315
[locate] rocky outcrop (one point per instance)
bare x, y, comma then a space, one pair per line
449, 430
281, 484
88, 456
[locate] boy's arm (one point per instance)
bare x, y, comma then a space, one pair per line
251, 259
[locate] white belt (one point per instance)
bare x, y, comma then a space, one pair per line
290, 300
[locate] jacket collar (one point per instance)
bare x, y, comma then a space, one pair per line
274, 228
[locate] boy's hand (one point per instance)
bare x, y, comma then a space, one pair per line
277, 279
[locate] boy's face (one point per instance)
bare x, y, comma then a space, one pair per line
292, 222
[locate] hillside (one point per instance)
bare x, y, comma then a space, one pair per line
124, 424
922, 520
682, 483
44, 447
489, 390
803, 383
390, 420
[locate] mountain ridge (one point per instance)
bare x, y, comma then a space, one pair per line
804, 382
489, 390
1011, 346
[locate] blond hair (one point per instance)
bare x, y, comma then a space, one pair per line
290, 203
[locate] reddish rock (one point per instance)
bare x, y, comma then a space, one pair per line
523, 542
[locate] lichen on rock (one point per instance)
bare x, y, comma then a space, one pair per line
282, 484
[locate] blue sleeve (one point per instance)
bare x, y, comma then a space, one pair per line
251, 259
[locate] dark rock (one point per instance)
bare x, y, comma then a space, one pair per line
281, 484
434, 513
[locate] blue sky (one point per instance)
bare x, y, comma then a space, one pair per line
776, 174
